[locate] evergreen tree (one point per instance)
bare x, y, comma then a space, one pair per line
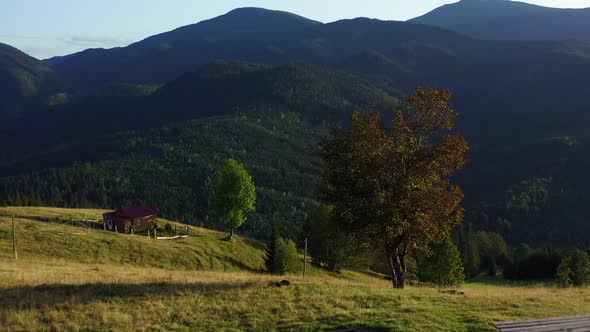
273, 263
279, 264
290, 256
581, 268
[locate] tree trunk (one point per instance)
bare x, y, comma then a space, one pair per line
397, 269
231, 235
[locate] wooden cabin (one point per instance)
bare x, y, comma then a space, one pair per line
137, 218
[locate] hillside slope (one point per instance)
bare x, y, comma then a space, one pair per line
171, 167
67, 279
510, 20
204, 250
164, 149
23, 79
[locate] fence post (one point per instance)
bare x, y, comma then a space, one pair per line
116, 230
104, 225
14, 238
305, 259
148, 233
155, 234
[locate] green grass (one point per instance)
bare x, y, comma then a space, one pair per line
57, 285
204, 250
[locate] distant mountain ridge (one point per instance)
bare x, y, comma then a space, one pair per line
264, 86
22, 79
509, 20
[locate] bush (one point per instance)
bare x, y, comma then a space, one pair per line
564, 275
168, 227
443, 267
580, 265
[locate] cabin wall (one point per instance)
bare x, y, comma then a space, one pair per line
144, 223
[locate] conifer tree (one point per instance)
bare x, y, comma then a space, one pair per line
564, 275
581, 268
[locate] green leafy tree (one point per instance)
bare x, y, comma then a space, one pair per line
470, 251
329, 246
234, 195
443, 267
391, 187
581, 268
493, 250
564, 276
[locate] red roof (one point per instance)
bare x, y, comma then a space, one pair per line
135, 212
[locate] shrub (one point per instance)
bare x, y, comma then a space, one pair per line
580, 265
443, 267
564, 275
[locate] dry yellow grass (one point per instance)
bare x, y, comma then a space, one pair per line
61, 295
65, 293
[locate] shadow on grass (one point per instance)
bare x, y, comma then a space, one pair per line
236, 263
44, 296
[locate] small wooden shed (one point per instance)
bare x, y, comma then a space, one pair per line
136, 217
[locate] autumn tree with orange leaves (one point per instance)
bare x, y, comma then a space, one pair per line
391, 187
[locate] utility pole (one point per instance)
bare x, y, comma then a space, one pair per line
305, 259
14, 238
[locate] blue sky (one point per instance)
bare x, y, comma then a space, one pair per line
45, 28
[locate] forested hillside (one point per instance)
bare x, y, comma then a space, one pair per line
270, 118
533, 193
171, 169
150, 122
24, 80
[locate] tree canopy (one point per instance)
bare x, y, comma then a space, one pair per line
234, 194
392, 186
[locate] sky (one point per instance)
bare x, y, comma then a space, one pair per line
46, 28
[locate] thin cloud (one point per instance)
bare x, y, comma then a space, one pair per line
43, 47
82, 40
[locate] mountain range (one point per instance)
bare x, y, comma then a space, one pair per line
150, 122
510, 20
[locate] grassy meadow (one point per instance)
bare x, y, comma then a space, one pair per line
66, 280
